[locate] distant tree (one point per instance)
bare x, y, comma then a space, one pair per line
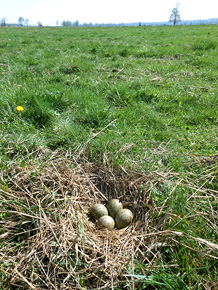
26, 22
175, 16
76, 23
3, 21
40, 24
21, 21
67, 23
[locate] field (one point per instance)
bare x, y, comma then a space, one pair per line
125, 112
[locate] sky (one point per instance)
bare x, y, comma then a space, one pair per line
48, 12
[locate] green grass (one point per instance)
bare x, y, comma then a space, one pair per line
139, 97
158, 83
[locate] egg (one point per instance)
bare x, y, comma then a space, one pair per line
98, 210
123, 218
106, 222
113, 206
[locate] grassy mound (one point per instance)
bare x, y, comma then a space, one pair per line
50, 241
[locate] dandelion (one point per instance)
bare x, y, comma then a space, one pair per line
20, 108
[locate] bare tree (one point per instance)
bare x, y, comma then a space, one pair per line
3, 21
26, 22
21, 21
175, 16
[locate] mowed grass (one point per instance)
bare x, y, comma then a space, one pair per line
136, 98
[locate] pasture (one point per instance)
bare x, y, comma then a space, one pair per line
125, 112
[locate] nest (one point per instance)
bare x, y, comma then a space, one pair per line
51, 240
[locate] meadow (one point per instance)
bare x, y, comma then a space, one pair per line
120, 106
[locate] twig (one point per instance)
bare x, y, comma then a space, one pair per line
24, 279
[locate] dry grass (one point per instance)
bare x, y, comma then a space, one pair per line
50, 241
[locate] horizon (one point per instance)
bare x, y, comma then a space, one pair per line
48, 12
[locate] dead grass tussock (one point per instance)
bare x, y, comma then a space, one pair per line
51, 241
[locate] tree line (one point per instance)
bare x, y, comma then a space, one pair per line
175, 18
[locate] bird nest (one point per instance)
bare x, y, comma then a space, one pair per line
51, 240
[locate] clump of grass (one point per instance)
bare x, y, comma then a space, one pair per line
204, 44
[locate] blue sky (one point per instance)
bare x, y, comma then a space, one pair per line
107, 11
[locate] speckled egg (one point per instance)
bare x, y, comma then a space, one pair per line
106, 222
98, 210
113, 206
123, 218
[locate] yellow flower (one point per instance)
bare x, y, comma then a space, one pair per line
20, 108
